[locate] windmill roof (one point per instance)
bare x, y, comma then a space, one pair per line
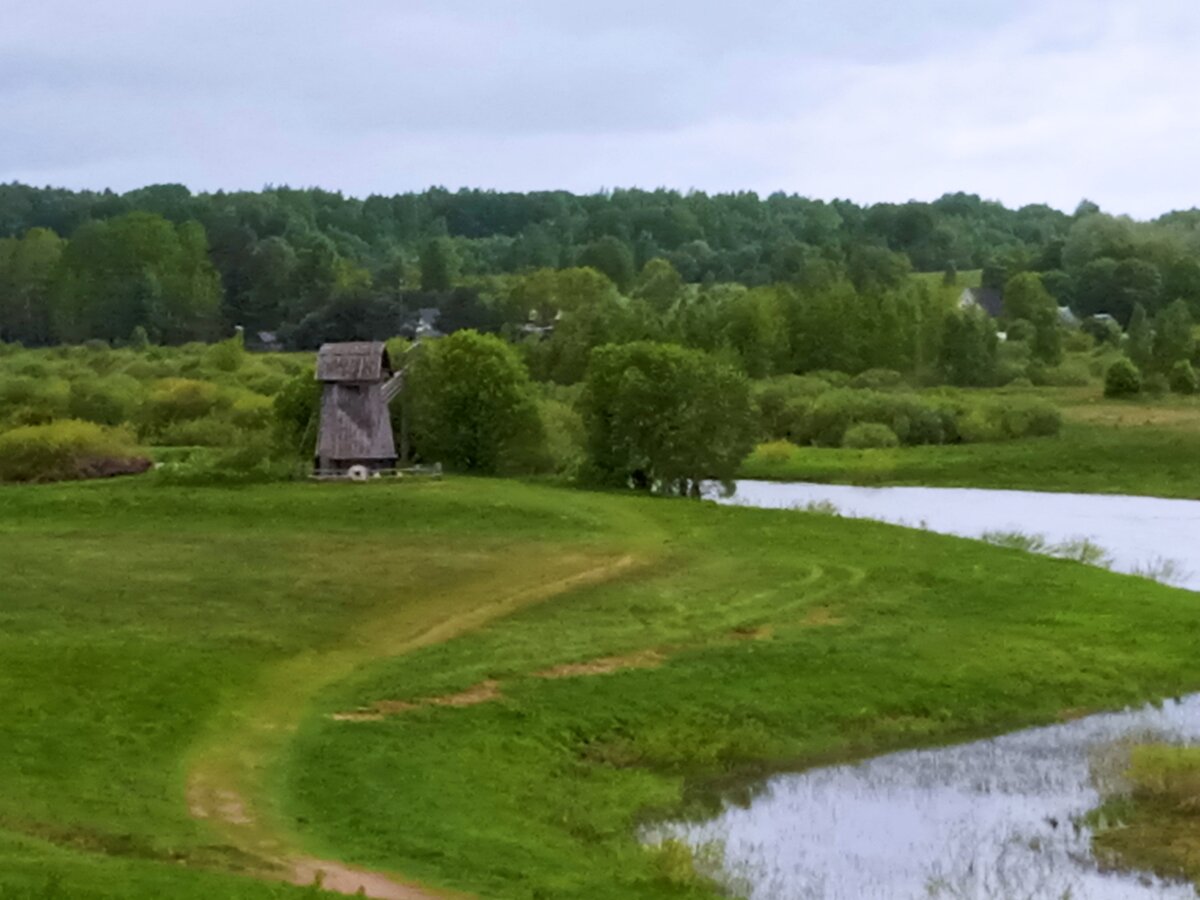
353, 361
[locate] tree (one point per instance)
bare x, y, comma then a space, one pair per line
137, 269
1026, 298
472, 402
439, 265
1173, 340
968, 354
753, 326
662, 417
27, 269
1096, 235
271, 275
1139, 338
876, 267
659, 284
587, 312
612, 257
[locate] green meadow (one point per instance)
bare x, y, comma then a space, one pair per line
485, 687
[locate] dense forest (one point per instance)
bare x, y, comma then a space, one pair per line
779, 284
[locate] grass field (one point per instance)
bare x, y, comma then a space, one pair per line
486, 686
1145, 446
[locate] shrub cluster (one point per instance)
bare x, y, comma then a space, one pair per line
1122, 379
912, 418
846, 417
1008, 419
869, 435
1182, 378
67, 449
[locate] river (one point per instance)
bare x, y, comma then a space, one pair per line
989, 820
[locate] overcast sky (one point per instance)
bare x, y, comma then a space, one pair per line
1021, 101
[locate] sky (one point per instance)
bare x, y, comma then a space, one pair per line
871, 100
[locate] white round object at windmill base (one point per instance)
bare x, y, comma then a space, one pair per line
358, 473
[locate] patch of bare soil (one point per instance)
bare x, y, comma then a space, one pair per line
761, 633
341, 879
606, 665
111, 467
483, 692
207, 802
821, 617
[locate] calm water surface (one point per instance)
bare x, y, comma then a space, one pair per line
991, 819
1136, 531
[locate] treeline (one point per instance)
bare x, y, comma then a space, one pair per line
779, 284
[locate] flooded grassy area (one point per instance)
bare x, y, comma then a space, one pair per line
1000, 818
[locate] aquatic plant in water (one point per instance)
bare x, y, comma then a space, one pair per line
1016, 540
1163, 570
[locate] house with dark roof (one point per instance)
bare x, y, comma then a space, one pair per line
990, 300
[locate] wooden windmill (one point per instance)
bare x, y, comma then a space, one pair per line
356, 426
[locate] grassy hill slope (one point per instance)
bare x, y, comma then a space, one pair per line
486, 685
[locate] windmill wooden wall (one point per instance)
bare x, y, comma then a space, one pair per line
356, 426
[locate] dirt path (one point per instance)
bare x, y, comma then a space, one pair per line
231, 775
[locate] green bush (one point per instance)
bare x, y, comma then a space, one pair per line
176, 400
250, 411
1077, 340
1072, 373
563, 451
831, 377
877, 379
975, 426
1021, 330
210, 431
29, 400
227, 355
146, 369
262, 380
106, 401
1122, 379
67, 449
913, 419
1155, 384
297, 410
1012, 361
247, 460
782, 399
774, 452
1021, 417
866, 435
1183, 378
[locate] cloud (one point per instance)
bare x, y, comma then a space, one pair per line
1025, 101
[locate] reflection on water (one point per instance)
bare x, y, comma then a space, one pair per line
992, 819
1140, 534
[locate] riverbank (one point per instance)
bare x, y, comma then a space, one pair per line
513, 758
1150, 460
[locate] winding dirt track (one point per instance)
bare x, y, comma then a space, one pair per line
230, 775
